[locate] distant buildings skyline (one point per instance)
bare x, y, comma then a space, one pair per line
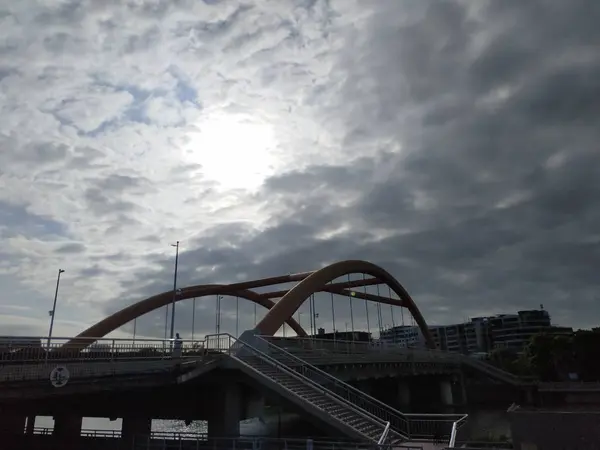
480, 334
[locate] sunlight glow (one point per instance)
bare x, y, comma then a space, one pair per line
235, 151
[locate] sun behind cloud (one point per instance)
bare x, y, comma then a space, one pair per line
235, 151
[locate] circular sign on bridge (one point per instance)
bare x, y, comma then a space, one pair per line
59, 376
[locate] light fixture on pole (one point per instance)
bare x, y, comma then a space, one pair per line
218, 314
237, 317
53, 311
174, 290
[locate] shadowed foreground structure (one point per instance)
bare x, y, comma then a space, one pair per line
279, 312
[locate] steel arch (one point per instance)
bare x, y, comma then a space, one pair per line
317, 281
142, 307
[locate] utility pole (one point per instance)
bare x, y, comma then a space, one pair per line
52, 312
174, 290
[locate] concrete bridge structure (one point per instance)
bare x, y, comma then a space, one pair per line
224, 379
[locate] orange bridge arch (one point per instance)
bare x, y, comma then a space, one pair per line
125, 315
317, 281
278, 313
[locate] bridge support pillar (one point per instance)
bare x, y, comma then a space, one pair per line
134, 428
12, 424
446, 392
228, 409
255, 407
30, 425
67, 427
403, 394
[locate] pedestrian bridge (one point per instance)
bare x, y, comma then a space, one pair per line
276, 364
308, 372
118, 357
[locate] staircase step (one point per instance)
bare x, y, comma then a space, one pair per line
305, 390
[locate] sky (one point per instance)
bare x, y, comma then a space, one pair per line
455, 144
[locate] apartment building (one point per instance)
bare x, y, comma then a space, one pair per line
480, 334
402, 336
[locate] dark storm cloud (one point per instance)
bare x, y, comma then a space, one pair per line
491, 206
504, 153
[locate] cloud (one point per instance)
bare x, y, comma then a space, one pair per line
453, 143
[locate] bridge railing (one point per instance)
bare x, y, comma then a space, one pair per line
424, 426
164, 439
327, 347
97, 349
323, 348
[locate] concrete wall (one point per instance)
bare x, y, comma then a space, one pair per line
540, 430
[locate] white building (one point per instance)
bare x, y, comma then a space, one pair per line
402, 336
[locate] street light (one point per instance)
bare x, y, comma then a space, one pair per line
218, 315
51, 312
174, 290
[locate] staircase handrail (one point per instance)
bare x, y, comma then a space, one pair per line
280, 366
453, 435
490, 368
403, 422
384, 435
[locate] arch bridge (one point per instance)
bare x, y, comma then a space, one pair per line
279, 312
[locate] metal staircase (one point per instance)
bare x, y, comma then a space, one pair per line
315, 399
399, 424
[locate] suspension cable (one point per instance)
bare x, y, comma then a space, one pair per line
315, 314
310, 314
237, 317
391, 307
379, 317
351, 310
333, 314
366, 305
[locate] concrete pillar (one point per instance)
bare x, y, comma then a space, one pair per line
403, 394
30, 425
255, 407
446, 392
12, 423
67, 427
228, 408
135, 428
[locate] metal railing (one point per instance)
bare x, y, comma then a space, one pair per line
180, 440
384, 435
569, 386
492, 370
413, 426
327, 347
424, 427
349, 393
96, 349
231, 345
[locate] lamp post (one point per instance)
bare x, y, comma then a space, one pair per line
53, 311
174, 290
218, 315
237, 317
193, 318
